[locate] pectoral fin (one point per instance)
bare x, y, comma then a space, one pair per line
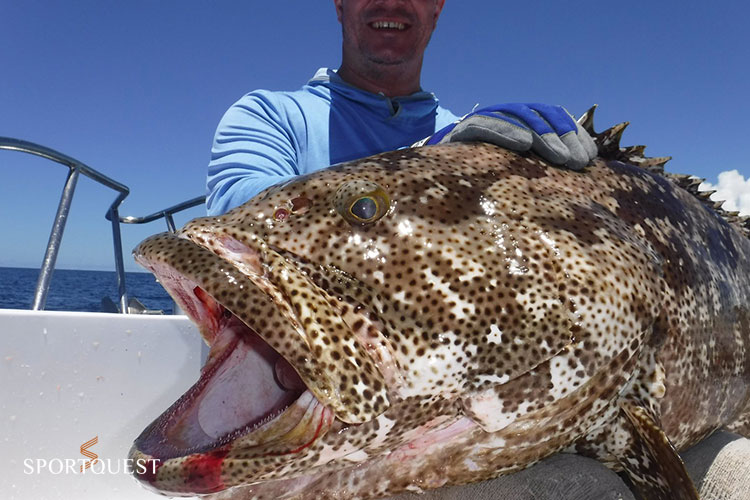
651, 461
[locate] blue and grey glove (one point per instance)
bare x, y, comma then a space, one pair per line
549, 131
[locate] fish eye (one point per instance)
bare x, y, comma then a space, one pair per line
361, 202
364, 208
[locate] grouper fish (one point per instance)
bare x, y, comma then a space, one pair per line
448, 314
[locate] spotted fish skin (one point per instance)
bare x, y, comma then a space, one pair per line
496, 310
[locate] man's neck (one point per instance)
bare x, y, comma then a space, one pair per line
390, 81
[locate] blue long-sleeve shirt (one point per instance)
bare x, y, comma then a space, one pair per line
269, 137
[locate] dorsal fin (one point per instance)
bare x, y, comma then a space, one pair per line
587, 120
608, 145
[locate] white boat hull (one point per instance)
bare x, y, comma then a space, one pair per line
67, 377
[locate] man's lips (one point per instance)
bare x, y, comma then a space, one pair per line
388, 25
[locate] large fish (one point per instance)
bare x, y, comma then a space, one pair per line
448, 314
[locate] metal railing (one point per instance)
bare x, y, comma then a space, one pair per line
77, 168
167, 213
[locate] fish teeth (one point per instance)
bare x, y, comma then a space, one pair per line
388, 24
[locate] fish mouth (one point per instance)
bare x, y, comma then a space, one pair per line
210, 414
248, 398
268, 387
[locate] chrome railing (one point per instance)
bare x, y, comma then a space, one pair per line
77, 168
167, 213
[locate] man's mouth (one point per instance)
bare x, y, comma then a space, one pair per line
388, 25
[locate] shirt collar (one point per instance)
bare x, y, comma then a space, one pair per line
418, 103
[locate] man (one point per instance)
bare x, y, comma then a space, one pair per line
375, 103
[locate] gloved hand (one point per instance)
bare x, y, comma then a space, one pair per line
549, 131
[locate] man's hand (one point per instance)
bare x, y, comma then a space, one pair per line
549, 131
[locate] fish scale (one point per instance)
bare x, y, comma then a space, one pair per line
491, 311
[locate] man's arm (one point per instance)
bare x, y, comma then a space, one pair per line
252, 150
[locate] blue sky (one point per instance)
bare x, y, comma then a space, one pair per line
135, 89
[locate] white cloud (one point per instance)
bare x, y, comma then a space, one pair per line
732, 188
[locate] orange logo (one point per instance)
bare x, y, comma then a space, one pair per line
86, 453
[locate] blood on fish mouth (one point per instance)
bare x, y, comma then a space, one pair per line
244, 385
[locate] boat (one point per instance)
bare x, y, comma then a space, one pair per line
77, 387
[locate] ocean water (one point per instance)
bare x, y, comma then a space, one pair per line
72, 290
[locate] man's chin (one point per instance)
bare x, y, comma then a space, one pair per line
386, 58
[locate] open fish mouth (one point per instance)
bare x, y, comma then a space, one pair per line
268, 389
210, 414
247, 392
